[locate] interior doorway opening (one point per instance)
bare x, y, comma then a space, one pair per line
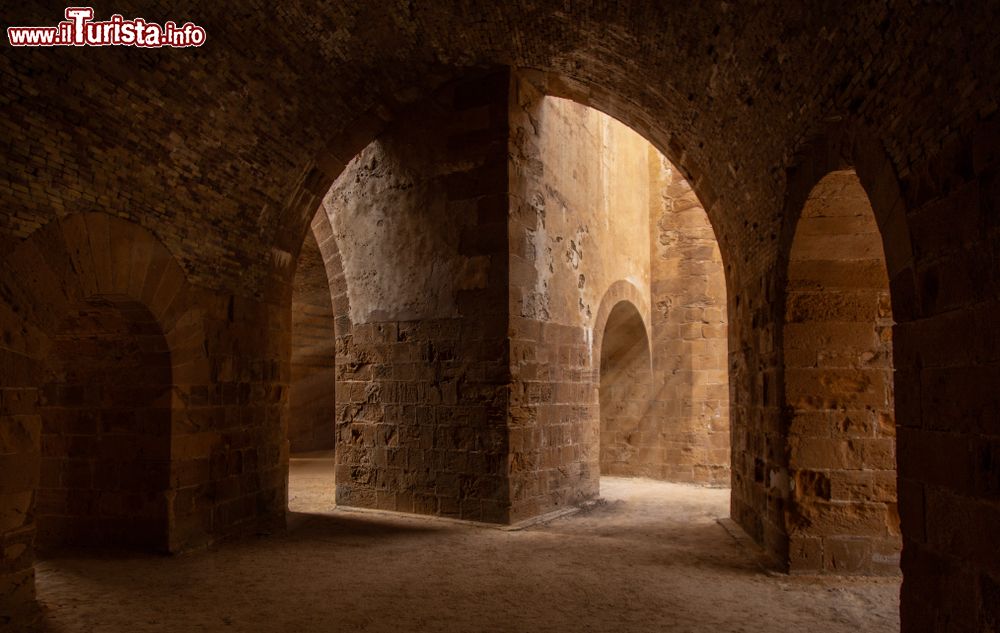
312, 392
106, 418
611, 226
839, 387
629, 437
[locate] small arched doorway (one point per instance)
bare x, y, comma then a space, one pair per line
839, 387
312, 390
312, 404
628, 438
106, 429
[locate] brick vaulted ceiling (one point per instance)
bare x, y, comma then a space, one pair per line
227, 147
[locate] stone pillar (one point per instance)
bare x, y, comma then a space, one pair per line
418, 219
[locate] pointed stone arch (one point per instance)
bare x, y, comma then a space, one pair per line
856, 172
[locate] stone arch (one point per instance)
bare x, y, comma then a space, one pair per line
299, 215
838, 149
625, 386
618, 292
926, 129
765, 476
394, 348
316, 179
837, 351
696, 469
683, 148
122, 267
852, 150
84, 255
668, 143
323, 233
318, 285
683, 151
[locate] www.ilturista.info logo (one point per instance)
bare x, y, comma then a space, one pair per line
80, 29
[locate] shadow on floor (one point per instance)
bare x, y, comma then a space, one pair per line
343, 525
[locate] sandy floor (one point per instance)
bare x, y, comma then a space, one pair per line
651, 557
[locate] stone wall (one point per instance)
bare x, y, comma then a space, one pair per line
312, 390
598, 216
689, 334
224, 475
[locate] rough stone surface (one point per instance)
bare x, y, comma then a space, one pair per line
571, 169
68, 290
599, 220
689, 334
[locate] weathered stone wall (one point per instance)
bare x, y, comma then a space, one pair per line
838, 387
586, 178
690, 399
418, 219
312, 387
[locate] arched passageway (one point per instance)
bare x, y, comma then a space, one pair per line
839, 387
312, 381
106, 429
625, 390
599, 216
312, 399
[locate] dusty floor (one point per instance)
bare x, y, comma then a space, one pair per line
651, 558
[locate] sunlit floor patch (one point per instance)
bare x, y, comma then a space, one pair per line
310, 482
